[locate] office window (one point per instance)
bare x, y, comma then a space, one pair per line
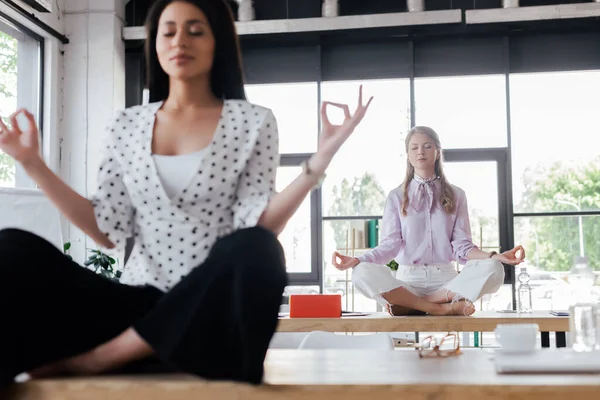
368, 166
20, 71
296, 108
467, 111
551, 243
372, 158
555, 141
296, 236
556, 176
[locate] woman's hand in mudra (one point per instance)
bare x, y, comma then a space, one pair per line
512, 257
345, 261
21, 142
333, 136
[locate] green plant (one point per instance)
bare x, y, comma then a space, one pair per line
66, 248
103, 264
393, 265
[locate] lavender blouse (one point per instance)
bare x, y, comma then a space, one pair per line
427, 235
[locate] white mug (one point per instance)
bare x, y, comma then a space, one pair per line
517, 338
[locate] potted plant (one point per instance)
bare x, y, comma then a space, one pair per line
103, 264
393, 265
66, 248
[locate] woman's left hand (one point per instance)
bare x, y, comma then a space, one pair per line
333, 136
511, 257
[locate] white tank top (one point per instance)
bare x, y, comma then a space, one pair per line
176, 172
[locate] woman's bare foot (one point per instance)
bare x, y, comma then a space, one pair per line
402, 297
122, 350
460, 307
395, 311
441, 296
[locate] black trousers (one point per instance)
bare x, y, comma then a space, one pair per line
216, 323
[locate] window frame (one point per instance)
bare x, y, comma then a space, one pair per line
30, 45
315, 274
505, 223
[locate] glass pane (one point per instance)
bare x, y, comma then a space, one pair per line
551, 244
335, 236
555, 141
466, 111
8, 98
501, 300
296, 109
296, 236
300, 290
479, 180
372, 162
284, 308
19, 88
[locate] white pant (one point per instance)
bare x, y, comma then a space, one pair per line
477, 278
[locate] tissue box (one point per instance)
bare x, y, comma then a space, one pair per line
315, 306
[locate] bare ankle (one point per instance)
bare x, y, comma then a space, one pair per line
437, 309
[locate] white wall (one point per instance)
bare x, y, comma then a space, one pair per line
94, 89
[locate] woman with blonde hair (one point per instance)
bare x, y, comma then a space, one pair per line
425, 228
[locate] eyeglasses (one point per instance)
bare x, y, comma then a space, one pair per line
444, 347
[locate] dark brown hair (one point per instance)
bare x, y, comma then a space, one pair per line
227, 79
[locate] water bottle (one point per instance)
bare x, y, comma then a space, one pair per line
583, 323
524, 292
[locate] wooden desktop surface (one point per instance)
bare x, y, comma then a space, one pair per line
481, 321
332, 374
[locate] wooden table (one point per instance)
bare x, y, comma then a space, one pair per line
333, 374
481, 321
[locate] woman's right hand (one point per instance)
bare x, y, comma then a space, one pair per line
514, 256
345, 261
21, 144
332, 137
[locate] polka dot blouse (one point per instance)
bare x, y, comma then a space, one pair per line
229, 191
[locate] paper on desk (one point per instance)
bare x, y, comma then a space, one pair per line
354, 314
344, 314
563, 360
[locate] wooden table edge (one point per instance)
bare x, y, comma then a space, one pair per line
180, 390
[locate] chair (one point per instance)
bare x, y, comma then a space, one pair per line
329, 340
287, 340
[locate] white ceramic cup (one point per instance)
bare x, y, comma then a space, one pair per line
517, 338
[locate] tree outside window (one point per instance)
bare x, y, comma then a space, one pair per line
8, 98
